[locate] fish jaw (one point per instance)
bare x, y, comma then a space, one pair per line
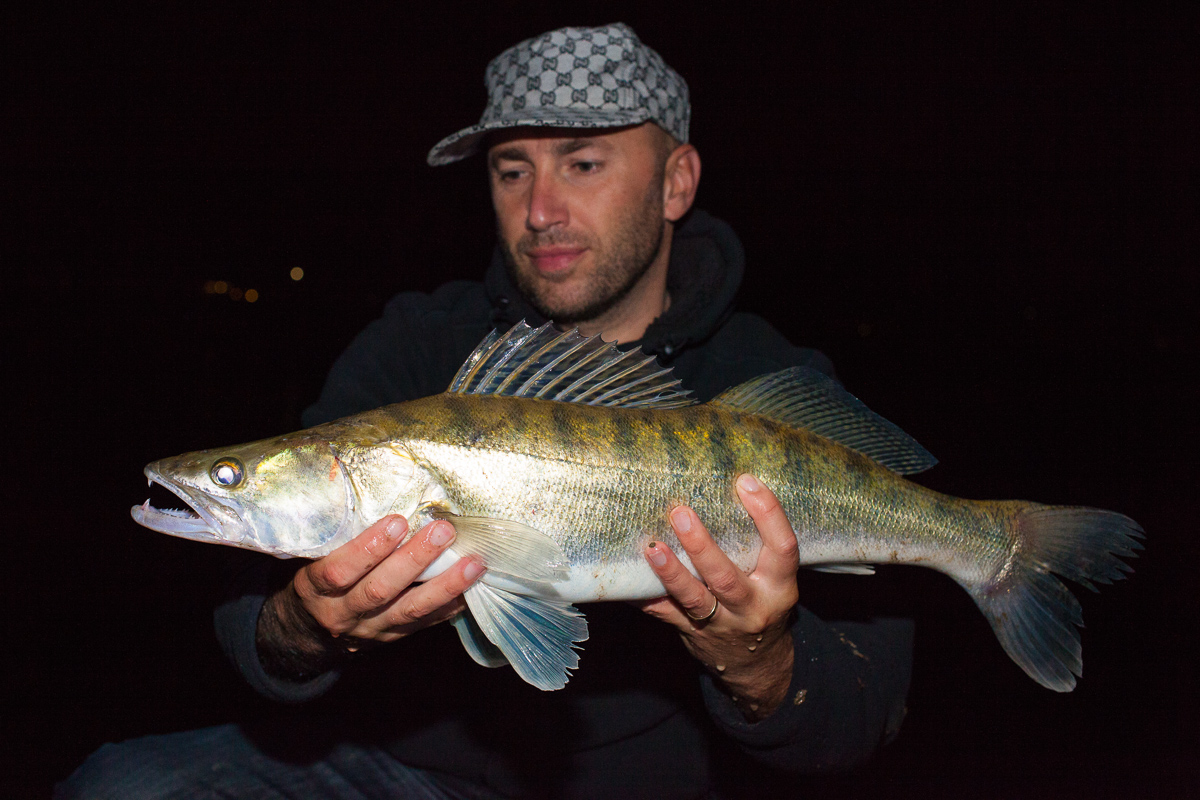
295, 495
205, 519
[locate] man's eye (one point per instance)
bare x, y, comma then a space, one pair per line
586, 166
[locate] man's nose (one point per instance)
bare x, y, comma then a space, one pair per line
547, 204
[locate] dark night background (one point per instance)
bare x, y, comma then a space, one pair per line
986, 218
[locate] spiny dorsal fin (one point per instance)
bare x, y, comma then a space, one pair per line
805, 398
548, 364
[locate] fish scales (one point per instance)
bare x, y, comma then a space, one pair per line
602, 481
595, 499
558, 495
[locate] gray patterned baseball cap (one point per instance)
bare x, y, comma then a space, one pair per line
575, 78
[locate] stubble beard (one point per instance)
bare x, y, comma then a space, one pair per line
618, 267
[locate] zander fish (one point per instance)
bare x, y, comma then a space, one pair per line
558, 457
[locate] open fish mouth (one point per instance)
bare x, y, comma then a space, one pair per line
193, 522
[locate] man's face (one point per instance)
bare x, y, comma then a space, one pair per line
579, 214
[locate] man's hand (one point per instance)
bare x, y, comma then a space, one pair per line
362, 592
747, 643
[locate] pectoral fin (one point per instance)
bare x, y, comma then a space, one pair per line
508, 548
536, 635
475, 643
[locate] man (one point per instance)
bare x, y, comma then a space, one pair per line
593, 182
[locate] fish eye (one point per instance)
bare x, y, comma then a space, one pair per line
227, 472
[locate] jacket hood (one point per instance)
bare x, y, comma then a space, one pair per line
703, 276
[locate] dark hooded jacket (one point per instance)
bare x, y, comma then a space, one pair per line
639, 717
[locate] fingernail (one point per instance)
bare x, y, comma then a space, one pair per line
748, 483
657, 557
440, 533
472, 570
396, 527
682, 520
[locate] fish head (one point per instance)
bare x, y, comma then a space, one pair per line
288, 496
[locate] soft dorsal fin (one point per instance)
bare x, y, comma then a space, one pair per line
805, 398
551, 365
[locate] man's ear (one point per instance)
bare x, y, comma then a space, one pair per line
681, 178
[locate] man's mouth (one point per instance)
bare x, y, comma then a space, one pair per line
554, 260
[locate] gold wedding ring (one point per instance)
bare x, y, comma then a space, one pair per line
707, 616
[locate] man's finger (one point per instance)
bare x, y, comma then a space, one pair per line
428, 598
690, 594
334, 574
397, 572
664, 609
723, 577
780, 556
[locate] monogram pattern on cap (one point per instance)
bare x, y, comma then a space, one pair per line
576, 78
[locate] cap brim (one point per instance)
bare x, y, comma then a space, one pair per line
466, 142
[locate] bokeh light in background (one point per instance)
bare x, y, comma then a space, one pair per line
297, 273
234, 293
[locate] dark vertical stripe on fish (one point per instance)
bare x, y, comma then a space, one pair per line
718, 448
564, 428
672, 445
625, 434
517, 417
459, 416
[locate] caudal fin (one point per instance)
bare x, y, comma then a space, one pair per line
1033, 614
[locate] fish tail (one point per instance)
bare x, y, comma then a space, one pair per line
1033, 614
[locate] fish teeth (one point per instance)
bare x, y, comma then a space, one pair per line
180, 513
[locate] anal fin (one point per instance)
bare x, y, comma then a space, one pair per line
845, 569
